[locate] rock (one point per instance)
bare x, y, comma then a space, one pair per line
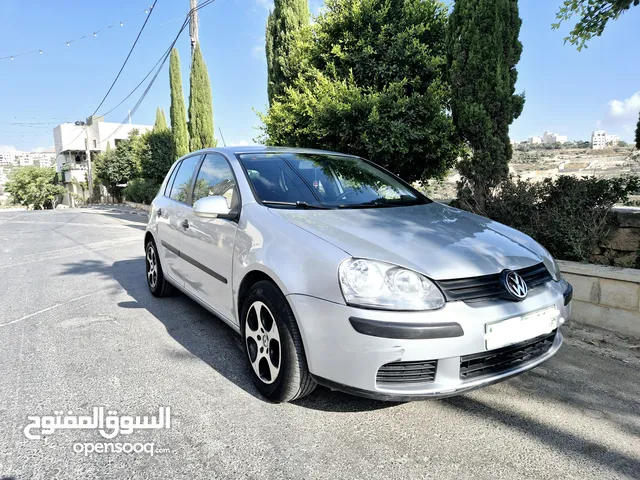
629, 218
627, 260
61, 206
625, 239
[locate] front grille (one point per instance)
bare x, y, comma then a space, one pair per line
506, 358
398, 373
488, 286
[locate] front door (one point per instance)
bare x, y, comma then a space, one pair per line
207, 245
172, 214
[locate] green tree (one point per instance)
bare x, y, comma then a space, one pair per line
371, 81
593, 17
483, 51
34, 186
200, 105
638, 133
287, 17
161, 121
177, 111
156, 156
116, 167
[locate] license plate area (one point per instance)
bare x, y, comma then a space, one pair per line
519, 329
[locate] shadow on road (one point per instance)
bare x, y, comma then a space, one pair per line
205, 336
567, 443
575, 378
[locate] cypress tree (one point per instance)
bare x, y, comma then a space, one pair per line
200, 104
483, 51
161, 121
177, 111
282, 23
638, 133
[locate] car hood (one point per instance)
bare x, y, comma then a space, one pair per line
438, 241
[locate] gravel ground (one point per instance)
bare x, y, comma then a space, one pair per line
79, 329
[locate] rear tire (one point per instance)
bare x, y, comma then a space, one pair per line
158, 284
273, 345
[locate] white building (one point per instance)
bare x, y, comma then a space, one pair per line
7, 158
549, 137
46, 158
534, 140
600, 139
24, 159
70, 142
613, 140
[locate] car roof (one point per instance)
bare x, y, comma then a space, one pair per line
236, 150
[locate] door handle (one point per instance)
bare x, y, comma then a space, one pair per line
159, 212
185, 223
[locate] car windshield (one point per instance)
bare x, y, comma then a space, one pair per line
324, 181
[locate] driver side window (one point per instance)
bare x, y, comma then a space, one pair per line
216, 178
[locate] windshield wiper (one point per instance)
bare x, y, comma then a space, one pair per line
379, 203
373, 204
297, 204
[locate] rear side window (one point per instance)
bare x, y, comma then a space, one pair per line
182, 183
167, 187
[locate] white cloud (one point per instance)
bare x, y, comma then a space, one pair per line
622, 115
626, 109
242, 143
7, 149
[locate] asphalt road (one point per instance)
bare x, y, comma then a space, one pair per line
79, 329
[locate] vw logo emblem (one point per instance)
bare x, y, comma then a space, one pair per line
515, 285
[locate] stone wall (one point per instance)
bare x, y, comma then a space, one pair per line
622, 247
605, 297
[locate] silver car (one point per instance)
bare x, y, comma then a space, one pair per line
336, 272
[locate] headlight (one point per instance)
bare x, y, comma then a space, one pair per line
552, 265
373, 284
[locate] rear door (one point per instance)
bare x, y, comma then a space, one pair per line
172, 216
207, 245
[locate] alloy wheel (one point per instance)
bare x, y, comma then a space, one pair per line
152, 266
263, 342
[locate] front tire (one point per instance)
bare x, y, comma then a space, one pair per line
158, 284
273, 345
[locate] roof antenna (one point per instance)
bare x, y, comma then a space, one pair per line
223, 142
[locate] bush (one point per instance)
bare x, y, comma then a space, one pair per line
568, 215
141, 190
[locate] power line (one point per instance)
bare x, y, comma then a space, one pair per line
69, 42
129, 55
162, 61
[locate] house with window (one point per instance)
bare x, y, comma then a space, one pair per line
70, 143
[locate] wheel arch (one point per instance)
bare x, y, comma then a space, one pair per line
249, 280
148, 236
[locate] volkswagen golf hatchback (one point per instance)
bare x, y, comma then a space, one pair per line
336, 272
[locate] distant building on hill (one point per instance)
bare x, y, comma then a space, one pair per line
548, 137
600, 139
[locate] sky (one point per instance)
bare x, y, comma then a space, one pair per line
567, 92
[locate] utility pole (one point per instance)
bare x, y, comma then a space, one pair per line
193, 25
88, 154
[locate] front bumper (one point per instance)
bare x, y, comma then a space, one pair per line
346, 356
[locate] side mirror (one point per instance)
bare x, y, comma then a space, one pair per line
215, 206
